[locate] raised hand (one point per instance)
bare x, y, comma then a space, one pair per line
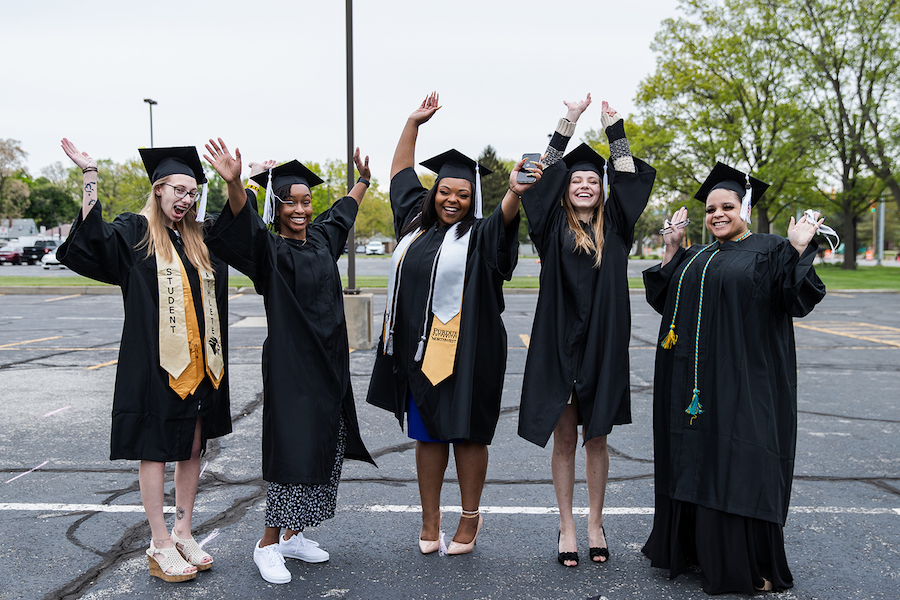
225, 165
675, 235
520, 188
82, 159
362, 166
257, 168
608, 115
801, 233
427, 109
577, 107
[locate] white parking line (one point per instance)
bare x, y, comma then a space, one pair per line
412, 508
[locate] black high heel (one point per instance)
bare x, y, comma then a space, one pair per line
562, 557
600, 552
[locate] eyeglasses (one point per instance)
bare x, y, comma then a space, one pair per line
181, 192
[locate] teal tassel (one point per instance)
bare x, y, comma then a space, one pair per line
695, 408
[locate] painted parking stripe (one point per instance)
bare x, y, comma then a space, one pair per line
55, 337
62, 298
412, 508
869, 332
101, 365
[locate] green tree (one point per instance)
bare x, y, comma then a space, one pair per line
845, 58
14, 190
722, 92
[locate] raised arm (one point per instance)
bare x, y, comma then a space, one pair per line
365, 177
513, 197
564, 130
230, 169
619, 151
88, 167
405, 154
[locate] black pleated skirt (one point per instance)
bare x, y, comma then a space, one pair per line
733, 553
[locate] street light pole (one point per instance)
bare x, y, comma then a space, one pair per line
151, 103
351, 238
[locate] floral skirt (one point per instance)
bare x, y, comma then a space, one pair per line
296, 506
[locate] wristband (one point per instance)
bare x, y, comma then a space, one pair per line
252, 185
363, 181
89, 170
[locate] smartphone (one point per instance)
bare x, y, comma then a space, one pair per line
530, 158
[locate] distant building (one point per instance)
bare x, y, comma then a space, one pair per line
15, 228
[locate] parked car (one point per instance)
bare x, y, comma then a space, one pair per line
49, 260
375, 248
361, 249
11, 254
33, 254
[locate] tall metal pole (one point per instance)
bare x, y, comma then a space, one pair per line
151, 103
879, 244
351, 238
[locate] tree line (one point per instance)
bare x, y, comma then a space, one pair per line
802, 93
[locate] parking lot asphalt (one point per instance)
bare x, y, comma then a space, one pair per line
72, 525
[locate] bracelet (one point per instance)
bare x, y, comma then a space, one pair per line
252, 185
363, 181
89, 170
515, 193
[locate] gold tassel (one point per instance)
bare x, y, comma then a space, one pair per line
669, 340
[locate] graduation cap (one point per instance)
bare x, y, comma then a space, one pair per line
585, 158
454, 163
289, 173
749, 189
176, 160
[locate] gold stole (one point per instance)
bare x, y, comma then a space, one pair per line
180, 343
440, 353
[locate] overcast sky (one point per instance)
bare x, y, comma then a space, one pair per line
269, 76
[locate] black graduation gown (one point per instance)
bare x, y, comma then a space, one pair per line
466, 405
582, 325
738, 455
306, 358
149, 420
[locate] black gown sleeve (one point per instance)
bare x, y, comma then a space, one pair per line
406, 195
335, 224
501, 243
801, 288
244, 242
628, 197
542, 200
100, 250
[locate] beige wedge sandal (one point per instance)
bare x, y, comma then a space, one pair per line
172, 567
192, 552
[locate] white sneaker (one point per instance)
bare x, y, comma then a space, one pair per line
271, 563
302, 548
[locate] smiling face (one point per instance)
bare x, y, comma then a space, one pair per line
584, 193
173, 207
452, 200
723, 215
295, 212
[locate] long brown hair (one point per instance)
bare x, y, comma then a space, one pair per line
583, 242
157, 238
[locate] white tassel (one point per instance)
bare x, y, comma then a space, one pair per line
746, 204
420, 350
201, 207
824, 229
477, 192
605, 183
269, 207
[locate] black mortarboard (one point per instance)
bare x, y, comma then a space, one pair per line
288, 174
724, 177
454, 163
177, 160
585, 158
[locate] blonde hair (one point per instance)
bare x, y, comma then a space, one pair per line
157, 238
583, 242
